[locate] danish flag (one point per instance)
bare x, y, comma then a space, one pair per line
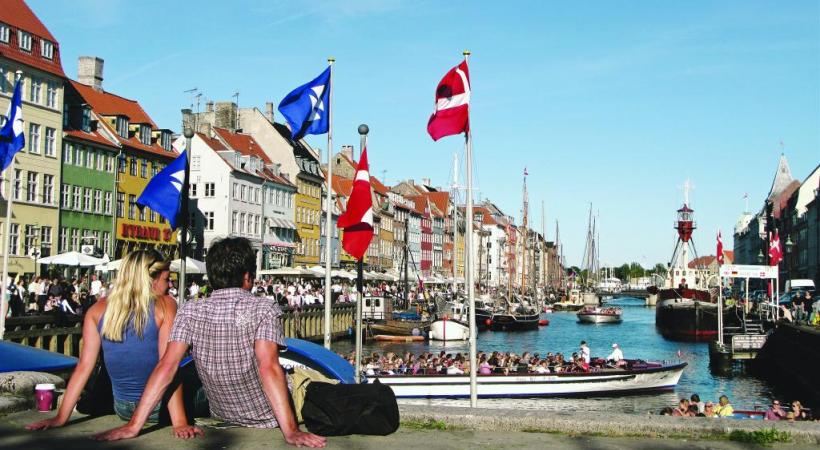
719, 249
452, 112
357, 220
775, 253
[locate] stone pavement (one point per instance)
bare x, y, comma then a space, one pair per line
473, 433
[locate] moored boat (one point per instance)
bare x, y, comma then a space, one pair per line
600, 315
636, 377
449, 330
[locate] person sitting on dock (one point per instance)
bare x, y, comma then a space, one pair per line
775, 412
724, 408
799, 412
695, 400
234, 339
709, 409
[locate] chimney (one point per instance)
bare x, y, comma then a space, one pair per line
347, 150
269, 111
225, 115
425, 181
90, 71
209, 106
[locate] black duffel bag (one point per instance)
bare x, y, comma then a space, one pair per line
343, 409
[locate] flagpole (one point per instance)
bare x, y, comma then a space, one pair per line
468, 244
183, 232
329, 200
363, 130
6, 239
7, 235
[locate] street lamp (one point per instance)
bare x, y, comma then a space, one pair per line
789, 244
760, 256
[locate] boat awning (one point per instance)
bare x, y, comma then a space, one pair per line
14, 357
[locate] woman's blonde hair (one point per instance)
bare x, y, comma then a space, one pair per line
132, 294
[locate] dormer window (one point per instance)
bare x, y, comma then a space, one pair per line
145, 134
86, 123
165, 140
24, 40
122, 126
4, 33
46, 49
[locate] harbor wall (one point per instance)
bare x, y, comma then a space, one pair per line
791, 359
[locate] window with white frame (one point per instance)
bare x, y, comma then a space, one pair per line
234, 222
141, 214
243, 193
209, 220
101, 156
67, 152
87, 199
109, 163
193, 190
14, 239
76, 194
4, 33
144, 168
166, 140
210, 189
33, 138
31, 187
242, 225
66, 196
48, 189
51, 95
24, 40
76, 157
132, 206
30, 238
235, 188
75, 239
63, 243
195, 162
45, 237
3, 81
153, 216
98, 201
46, 49
36, 90
92, 156
51, 141
106, 240
107, 203
120, 204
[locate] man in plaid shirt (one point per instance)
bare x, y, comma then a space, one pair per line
235, 339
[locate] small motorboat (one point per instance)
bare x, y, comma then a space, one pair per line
397, 338
446, 329
600, 315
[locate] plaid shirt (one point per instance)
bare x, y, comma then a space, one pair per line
221, 331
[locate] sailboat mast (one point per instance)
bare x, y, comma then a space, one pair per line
524, 242
454, 224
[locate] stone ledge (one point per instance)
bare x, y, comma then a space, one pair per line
22, 383
11, 404
601, 424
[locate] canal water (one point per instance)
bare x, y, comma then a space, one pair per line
636, 336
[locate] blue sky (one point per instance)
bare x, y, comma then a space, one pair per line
613, 103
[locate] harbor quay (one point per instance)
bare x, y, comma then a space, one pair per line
445, 428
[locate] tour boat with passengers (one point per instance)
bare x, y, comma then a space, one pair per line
633, 377
600, 314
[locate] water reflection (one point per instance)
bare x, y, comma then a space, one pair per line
636, 336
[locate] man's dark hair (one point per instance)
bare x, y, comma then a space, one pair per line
228, 260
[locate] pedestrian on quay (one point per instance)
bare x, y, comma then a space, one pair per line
238, 360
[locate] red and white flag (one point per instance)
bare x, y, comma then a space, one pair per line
719, 249
775, 252
357, 220
452, 113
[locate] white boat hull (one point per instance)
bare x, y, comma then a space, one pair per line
599, 318
449, 330
612, 382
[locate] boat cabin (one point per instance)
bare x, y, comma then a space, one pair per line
376, 308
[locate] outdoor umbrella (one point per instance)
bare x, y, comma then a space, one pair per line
71, 259
191, 266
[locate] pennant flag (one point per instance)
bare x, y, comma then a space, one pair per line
163, 193
12, 139
775, 253
719, 249
452, 113
307, 108
357, 220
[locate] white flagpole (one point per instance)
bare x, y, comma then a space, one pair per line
469, 262
329, 200
7, 236
6, 240
363, 130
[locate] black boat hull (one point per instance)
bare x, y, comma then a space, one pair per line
514, 322
694, 322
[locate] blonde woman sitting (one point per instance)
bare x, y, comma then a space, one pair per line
132, 327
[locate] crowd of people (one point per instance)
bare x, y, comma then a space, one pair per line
505, 363
39, 295
694, 407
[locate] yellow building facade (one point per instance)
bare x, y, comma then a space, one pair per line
308, 211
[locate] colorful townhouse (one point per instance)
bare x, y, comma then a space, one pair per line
30, 51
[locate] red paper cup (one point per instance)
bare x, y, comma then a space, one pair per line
44, 394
